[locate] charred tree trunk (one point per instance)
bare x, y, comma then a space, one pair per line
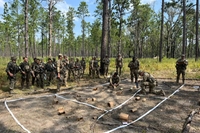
26, 28
104, 40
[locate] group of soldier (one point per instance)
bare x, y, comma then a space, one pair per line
149, 80
64, 68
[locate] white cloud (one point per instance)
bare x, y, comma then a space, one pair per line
2, 2
147, 1
62, 6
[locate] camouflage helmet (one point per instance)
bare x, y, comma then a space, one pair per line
134, 58
13, 58
140, 72
116, 73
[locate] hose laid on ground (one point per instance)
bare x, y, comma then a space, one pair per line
118, 105
122, 126
16, 118
81, 103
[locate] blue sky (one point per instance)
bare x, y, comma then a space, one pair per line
65, 4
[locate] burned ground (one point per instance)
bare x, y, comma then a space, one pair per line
84, 104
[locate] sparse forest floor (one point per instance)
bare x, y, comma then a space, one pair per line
37, 112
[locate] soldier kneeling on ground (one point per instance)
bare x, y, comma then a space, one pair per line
114, 80
150, 81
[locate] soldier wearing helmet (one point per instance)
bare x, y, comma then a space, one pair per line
106, 62
60, 71
119, 64
12, 69
181, 66
150, 81
25, 72
114, 80
83, 64
134, 67
95, 67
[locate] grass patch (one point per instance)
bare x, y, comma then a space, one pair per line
165, 69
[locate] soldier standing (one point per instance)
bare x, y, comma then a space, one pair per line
78, 68
83, 64
71, 67
114, 80
49, 67
32, 67
60, 71
55, 67
95, 67
181, 66
25, 72
150, 81
106, 62
12, 70
134, 67
119, 64
39, 73
66, 64
90, 66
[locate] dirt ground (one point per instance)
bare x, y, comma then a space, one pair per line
87, 109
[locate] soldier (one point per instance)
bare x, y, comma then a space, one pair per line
25, 72
150, 81
134, 67
90, 67
106, 62
71, 68
12, 70
83, 64
66, 64
78, 68
49, 67
60, 71
181, 66
95, 67
39, 73
114, 80
119, 64
33, 64
55, 67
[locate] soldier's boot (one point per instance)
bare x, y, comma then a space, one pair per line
143, 91
27, 86
136, 83
22, 85
162, 93
177, 80
183, 80
152, 91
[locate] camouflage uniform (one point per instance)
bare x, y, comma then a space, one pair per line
71, 68
106, 62
32, 67
90, 66
95, 67
49, 67
83, 64
150, 81
134, 67
55, 67
78, 68
114, 80
25, 72
39, 73
60, 71
66, 64
12, 70
181, 66
119, 64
